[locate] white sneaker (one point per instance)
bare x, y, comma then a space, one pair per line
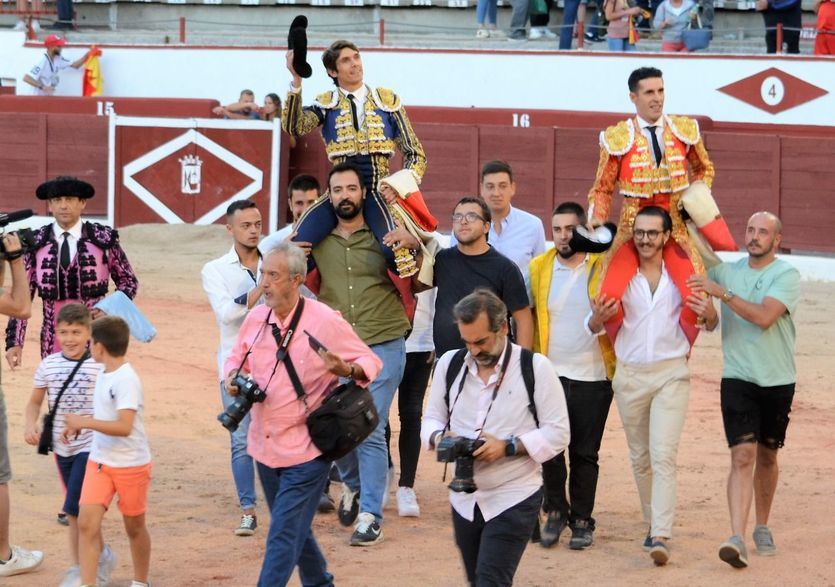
536, 33
22, 561
72, 578
20, 26
36, 26
107, 563
480, 33
407, 505
549, 34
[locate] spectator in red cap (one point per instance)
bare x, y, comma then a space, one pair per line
44, 76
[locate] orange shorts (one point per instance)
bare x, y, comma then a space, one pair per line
101, 483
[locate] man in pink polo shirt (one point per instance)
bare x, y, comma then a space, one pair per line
278, 437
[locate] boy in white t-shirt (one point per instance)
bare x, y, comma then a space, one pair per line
72, 330
120, 458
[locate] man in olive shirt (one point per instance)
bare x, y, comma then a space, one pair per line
760, 295
354, 280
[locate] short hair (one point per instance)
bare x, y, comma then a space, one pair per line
641, 74
497, 167
304, 183
481, 301
344, 167
296, 258
331, 55
778, 224
485, 209
113, 334
74, 313
666, 220
247, 93
571, 208
238, 205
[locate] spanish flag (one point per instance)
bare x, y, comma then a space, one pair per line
92, 84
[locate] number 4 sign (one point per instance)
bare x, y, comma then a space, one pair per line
773, 91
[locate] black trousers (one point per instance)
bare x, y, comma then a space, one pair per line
410, 409
789, 18
588, 407
543, 19
492, 550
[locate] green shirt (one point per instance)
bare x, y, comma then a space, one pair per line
764, 357
356, 283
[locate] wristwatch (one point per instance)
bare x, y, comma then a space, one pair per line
510, 447
728, 296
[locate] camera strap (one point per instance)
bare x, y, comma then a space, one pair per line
502, 372
67, 382
283, 356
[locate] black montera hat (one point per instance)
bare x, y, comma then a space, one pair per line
65, 186
297, 43
583, 241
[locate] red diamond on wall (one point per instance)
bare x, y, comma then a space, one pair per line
773, 90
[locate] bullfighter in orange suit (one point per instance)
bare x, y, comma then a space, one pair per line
647, 158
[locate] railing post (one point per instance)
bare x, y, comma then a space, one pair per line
182, 30
779, 38
382, 31
580, 34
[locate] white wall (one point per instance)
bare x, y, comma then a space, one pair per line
521, 81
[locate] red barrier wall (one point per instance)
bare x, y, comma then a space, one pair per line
784, 170
179, 108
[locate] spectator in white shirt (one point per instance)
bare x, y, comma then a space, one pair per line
489, 401
516, 234
44, 76
652, 379
302, 192
232, 286
561, 281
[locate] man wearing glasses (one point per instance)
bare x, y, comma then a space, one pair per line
652, 379
473, 263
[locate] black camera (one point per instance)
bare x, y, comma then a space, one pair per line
26, 236
248, 393
460, 450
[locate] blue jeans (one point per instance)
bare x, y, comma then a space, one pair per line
243, 471
487, 8
365, 468
72, 471
290, 540
569, 17
622, 45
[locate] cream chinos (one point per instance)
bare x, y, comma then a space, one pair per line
652, 401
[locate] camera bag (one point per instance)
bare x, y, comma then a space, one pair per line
45, 441
526, 363
346, 417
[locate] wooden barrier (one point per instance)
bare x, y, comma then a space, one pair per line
789, 175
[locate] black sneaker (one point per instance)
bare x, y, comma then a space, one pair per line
248, 525
349, 506
62, 519
367, 532
647, 541
554, 524
582, 535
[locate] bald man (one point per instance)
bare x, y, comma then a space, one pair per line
760, 295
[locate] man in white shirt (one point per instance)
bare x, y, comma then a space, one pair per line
44, 76
232, 286
652, 379
516, 234
559, 289
302, 192
489, 401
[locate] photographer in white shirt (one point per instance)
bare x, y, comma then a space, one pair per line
489, 401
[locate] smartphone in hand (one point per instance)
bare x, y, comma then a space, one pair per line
314, 343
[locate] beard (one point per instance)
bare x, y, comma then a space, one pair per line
565, 252
764, 250
487, 359
347, 210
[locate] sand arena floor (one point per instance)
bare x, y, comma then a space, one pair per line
192, 506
